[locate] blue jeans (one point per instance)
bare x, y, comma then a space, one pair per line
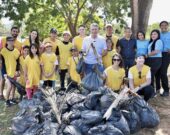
90, 67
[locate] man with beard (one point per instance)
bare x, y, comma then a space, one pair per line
17, 44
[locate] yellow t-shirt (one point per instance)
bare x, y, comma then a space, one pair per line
72, 69
10, 58
21, 79
64, 54
26, 42
114, 78
135, 73
17, 44
78, 42
54, 43
107, 59
48, 61
33, 71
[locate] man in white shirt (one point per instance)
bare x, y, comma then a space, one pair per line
94, 47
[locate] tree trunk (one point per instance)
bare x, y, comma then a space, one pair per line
140, 14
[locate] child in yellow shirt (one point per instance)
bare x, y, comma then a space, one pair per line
25, 52
10, 56
72, 62
32, 71
64, 53
48, 63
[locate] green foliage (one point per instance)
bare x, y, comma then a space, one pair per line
64, 14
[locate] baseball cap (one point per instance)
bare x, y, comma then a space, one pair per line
108, 25
66, 32
53, 30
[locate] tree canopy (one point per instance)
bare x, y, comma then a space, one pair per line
64, 14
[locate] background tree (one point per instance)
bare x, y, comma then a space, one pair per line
140, 10
64, 13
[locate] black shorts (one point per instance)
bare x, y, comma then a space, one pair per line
48, 83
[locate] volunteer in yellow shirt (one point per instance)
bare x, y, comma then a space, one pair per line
107, 59
21, 62
109, 35
48, 63
32, 71
14, 33
115, 73
72, 62
140, 78
53, 39
33, 39
78, 40
10, 56
64, 53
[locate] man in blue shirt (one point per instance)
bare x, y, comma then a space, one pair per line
127, 48
165, 37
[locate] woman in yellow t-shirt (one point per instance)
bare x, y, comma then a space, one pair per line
32, 71
72, 62
48, 63
115, 73
140, 78
107, 59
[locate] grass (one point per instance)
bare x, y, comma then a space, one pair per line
6, 115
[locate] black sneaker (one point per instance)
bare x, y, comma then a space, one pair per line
8, 104
165, 94
13, 102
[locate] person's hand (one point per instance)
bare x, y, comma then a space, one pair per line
17, 74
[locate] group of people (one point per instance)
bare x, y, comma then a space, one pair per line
143, 62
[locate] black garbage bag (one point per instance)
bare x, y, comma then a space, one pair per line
92, 99
133, 121
79, 106
106, 101
39, 95
50, 128
84, 128
74, 98
20, 88
21, 124
91, 117
84, 91
46, 106
33, 103
34, 130
25, 119
71, 130
70, 116
106, 129
149, 118
118, 120
92, 81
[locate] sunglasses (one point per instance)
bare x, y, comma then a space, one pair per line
116, 59
140, 74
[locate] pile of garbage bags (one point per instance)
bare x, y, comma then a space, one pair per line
82, 114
